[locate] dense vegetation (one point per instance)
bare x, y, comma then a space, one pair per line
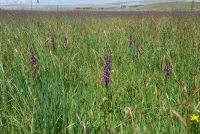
51, 74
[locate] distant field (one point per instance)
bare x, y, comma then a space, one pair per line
96, 14
165, 6
126, 6
168, 6
99, 72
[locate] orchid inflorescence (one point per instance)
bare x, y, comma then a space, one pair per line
167, 70
33, 62
107, 69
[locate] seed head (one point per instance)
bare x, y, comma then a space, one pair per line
138, 50
53, 42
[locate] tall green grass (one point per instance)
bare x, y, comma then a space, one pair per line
68, 95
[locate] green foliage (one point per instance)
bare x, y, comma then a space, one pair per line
68, 95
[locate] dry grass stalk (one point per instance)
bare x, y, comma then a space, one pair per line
179, 117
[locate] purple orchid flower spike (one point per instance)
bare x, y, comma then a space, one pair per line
106, 71
167, 70
130, 41
33, 62
65, 42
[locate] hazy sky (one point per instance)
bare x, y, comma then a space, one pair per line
61, 2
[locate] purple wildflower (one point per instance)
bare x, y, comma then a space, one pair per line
167, 70
106, 71
65, 41
33, 62
53, 42
130, 41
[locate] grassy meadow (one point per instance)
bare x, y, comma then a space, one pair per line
56, 86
